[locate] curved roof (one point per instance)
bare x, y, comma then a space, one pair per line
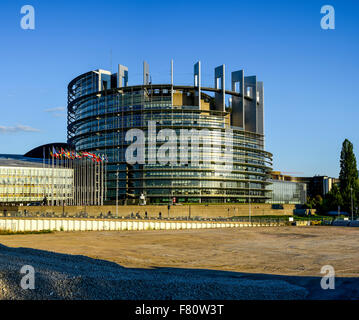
44, 150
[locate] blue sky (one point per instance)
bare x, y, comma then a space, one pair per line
310, 75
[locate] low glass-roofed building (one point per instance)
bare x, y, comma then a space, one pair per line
26, 182
287, 192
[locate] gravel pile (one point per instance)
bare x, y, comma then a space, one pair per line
61, 276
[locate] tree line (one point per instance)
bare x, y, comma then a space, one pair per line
345, 194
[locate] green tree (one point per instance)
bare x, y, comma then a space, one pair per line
310, 204
318, 201
332, 200
348, 175
314, 203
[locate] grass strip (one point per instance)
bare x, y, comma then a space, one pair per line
9, 232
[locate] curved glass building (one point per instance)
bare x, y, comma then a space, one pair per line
102, 108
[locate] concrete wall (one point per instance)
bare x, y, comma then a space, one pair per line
205, 211
33, 224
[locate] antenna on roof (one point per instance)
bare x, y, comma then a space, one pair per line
111, 60
146, 73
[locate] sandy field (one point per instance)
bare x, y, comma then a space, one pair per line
278, 250
260, 253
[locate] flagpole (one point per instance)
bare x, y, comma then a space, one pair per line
93, 185
62, 182
96, 183
105, 179
76, 170
74, 182
67, 195
65, 182
89, 183
52, 179
91, 178
43, 170
86, 181
100, 184
82, 176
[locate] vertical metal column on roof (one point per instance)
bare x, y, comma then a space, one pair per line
197, 80
172, 83
219, 83
260, 108
250, 105
237, 79
122, 76
146, 73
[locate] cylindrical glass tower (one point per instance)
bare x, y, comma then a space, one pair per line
102, 109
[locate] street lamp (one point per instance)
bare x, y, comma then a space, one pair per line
351, 196
117, 193
249, 202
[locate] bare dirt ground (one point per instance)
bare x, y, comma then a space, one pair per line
279, 250
251, 253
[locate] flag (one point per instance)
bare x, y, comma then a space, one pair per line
58, 154
54, 152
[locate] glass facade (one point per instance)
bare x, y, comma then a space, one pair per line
99, 118
287, 192
32, 184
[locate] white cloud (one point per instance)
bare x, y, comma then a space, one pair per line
57, 112
17, 128
59, 115
56, 109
